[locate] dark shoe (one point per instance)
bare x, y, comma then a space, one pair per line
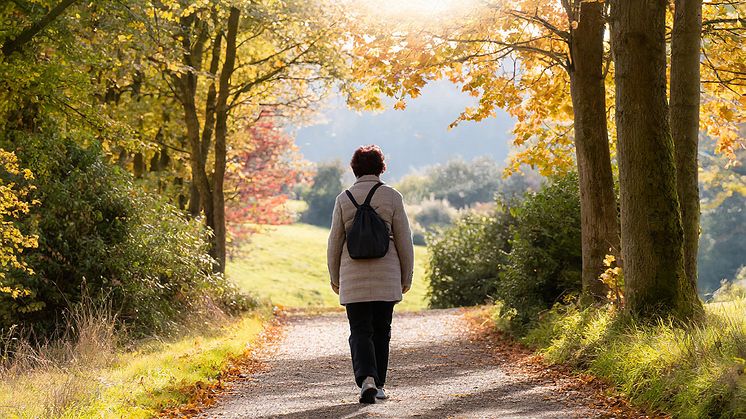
368, 391
381, 394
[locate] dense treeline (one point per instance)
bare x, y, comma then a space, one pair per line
101, 236
141, 138
434, 195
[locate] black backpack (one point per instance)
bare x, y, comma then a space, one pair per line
368, 237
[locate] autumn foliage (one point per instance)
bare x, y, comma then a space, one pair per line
259, 178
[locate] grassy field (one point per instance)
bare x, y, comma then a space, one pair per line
287, 264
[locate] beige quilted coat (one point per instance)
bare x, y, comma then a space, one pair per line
380, 279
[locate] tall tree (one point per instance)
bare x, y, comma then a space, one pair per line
651, 231
235, 62
599, 227
684, 96
524, 56
221, 132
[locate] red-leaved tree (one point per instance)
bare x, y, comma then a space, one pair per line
259, 178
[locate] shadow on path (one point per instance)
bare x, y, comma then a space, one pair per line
436, 371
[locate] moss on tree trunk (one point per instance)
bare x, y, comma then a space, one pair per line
651, 232
599, 226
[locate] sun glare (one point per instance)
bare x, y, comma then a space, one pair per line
410, 8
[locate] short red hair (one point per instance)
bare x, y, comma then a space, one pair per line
368, 160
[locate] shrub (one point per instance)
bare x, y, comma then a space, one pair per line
465, 259
732, 290
327, 184
545, 262
415, 188
435, 213
430, 215
101, 236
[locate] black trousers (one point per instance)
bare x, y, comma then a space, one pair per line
370, 334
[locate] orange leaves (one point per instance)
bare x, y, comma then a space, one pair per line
512, 56
726, 113
723, 64
506, 57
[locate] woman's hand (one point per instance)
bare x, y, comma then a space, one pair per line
335, 288
404, 289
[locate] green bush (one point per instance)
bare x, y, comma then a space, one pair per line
415, 188
545, 262
430, 215
101, 236
327, 184
465, 259
734, 289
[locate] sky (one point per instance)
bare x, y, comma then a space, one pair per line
412, 138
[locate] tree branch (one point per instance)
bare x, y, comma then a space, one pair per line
16, 44
535, 18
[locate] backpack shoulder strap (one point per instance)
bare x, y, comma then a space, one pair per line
349, 195
372, 191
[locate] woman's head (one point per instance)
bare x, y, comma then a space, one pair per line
368, 160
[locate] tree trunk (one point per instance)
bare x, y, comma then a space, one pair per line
138, 166
195, 203
651, 233
685, 50
16, 44
221, 132
211, 95
187, 95
195, 199
599, 226
200, 181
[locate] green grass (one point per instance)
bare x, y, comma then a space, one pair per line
287, 265
692, 372
136, 384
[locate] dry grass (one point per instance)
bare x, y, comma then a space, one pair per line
42, 379
87, 372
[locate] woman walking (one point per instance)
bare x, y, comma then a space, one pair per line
369, 284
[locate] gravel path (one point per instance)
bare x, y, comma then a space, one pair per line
436, 371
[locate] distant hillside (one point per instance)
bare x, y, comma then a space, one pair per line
415, 137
